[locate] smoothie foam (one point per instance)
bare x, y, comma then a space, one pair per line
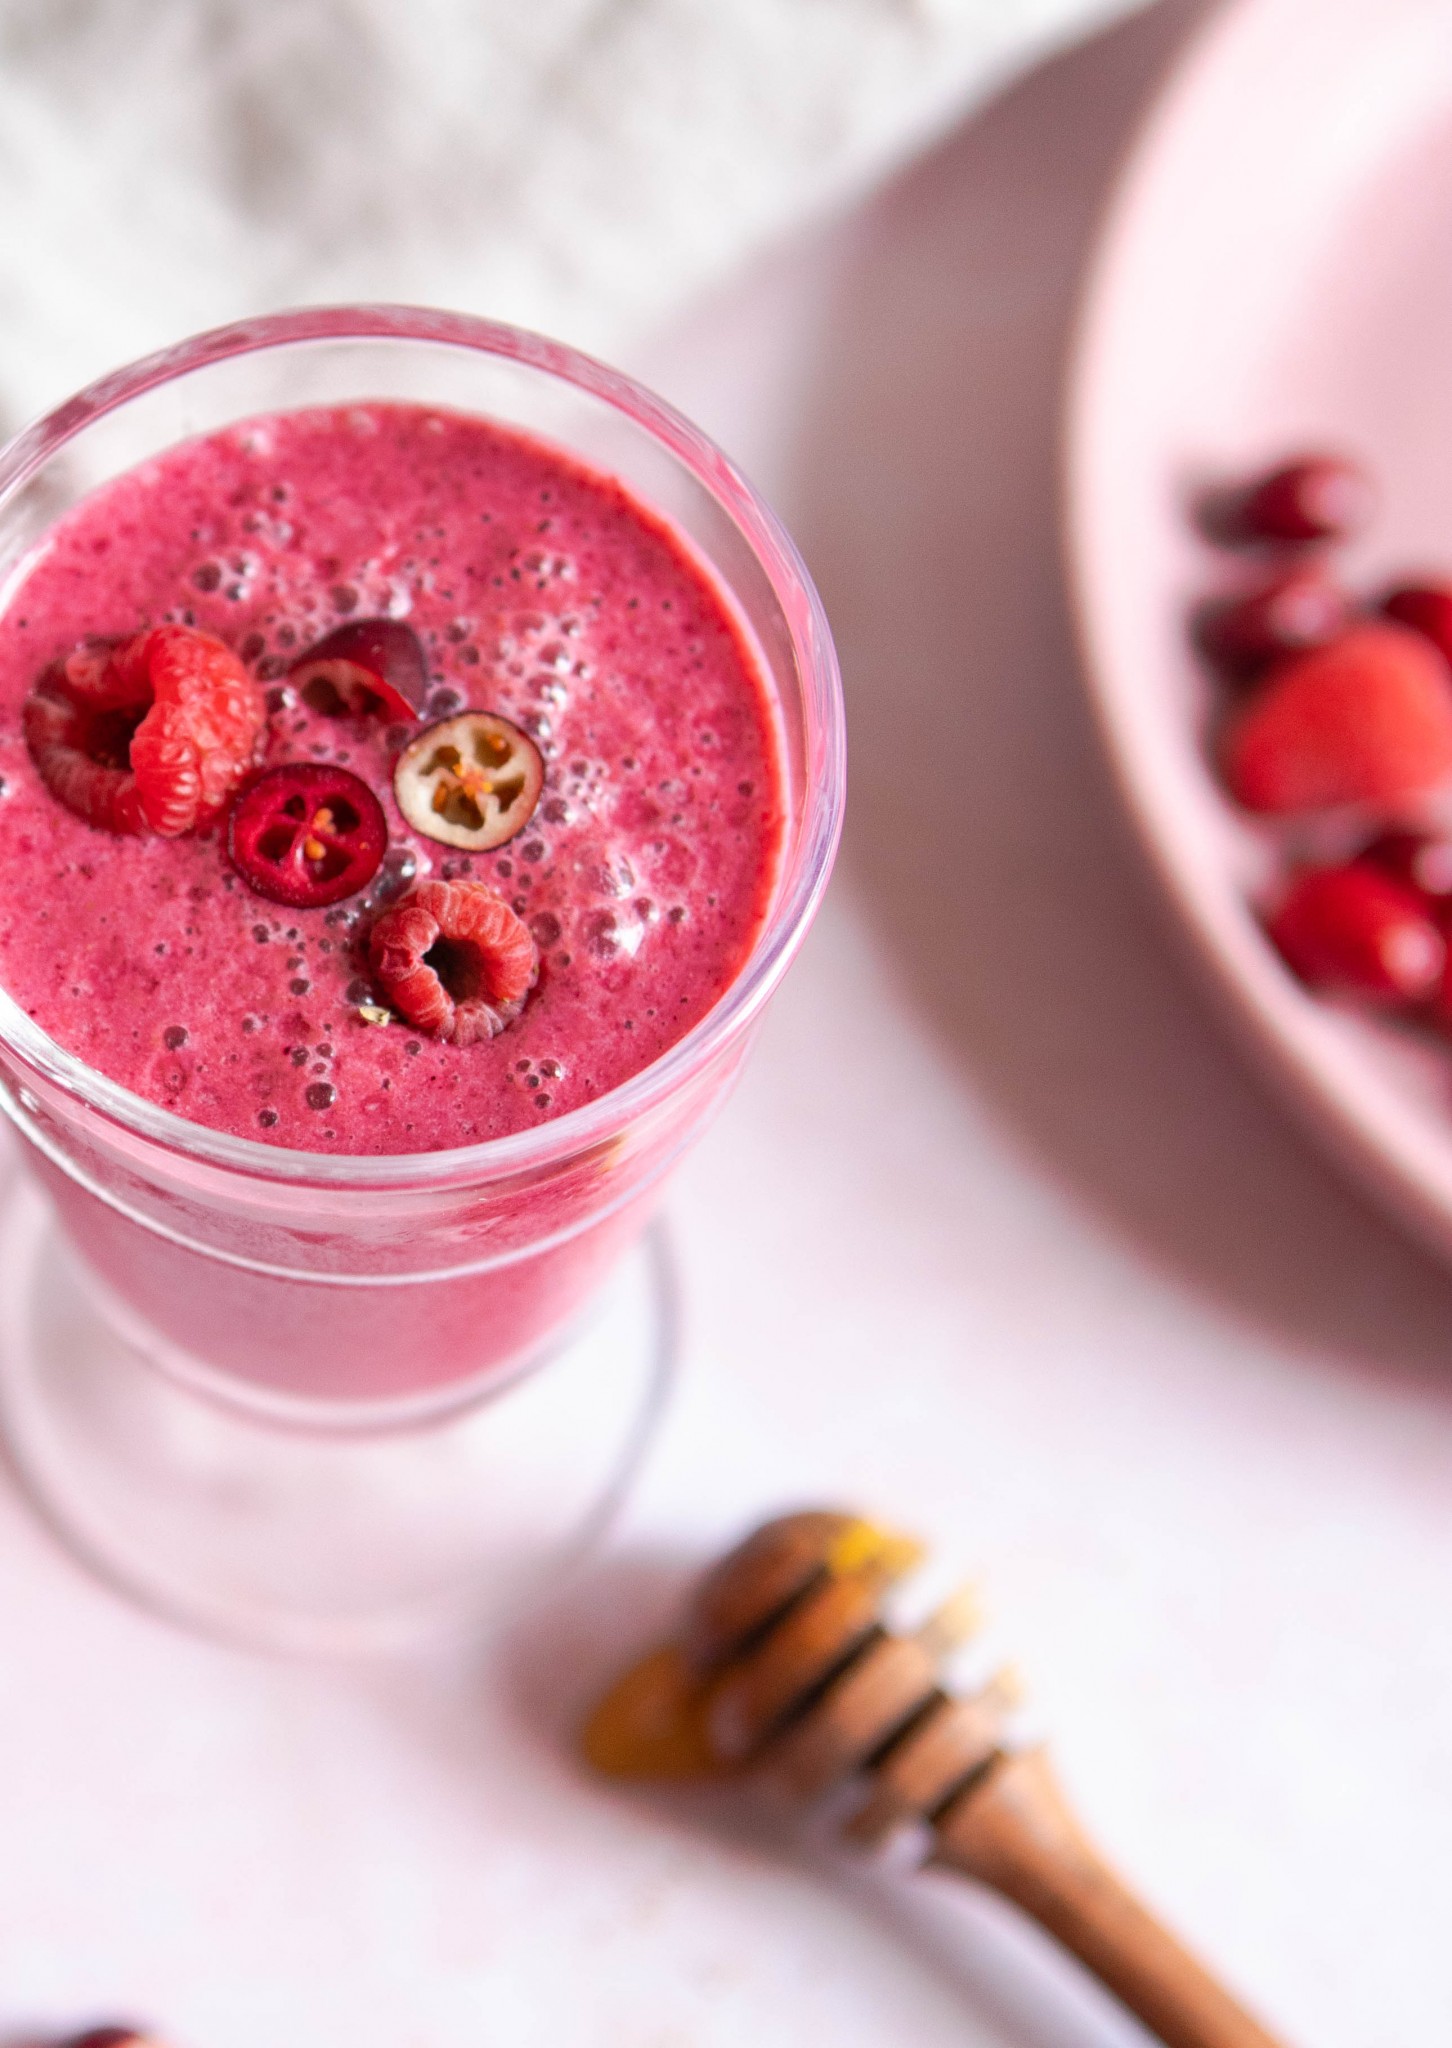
540, 590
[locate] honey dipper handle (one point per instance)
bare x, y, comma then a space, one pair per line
1013, 1831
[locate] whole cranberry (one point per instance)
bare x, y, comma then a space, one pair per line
110, 2037
1316, 497
1427, 609
1285, 614
1358, 931
1422, 860
1439, 1008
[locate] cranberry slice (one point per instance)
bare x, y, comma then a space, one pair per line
367, 667
470, 781
307, 834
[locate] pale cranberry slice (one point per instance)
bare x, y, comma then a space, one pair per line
307, 834
368, 667
471, 781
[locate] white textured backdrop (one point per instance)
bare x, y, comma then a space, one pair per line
578, 165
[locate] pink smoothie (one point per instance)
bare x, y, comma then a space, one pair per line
539, 590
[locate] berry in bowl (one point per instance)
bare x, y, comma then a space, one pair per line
1336, 726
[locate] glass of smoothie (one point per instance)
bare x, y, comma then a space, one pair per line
421, 755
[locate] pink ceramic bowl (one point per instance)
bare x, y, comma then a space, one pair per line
1275, 272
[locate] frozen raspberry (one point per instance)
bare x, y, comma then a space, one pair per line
151, 735
1367, 719
453, 960
1356, 930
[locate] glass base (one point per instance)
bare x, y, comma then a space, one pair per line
305, 1532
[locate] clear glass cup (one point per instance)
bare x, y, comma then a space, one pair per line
348, 1329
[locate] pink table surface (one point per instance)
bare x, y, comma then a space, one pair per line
999, 1237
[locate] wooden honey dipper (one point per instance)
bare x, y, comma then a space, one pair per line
784, 1666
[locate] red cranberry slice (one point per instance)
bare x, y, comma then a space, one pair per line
1314, 498
369, 667
1284, 615
1357, 930
307, 834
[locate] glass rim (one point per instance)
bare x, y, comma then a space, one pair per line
823, 795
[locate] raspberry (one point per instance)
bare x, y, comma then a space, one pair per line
1357, 930
150, 735
1367, 719
453, 960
